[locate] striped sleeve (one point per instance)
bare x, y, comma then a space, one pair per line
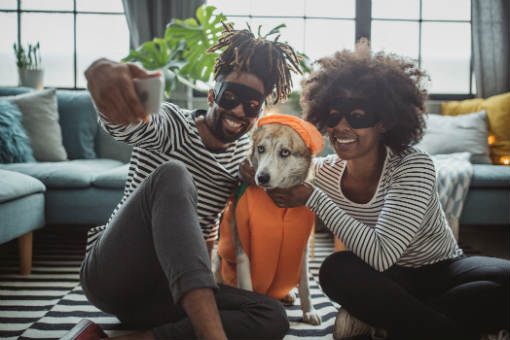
157, 135
400, 219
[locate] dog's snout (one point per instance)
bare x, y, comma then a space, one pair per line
263, 178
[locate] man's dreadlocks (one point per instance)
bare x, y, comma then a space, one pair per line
271, 61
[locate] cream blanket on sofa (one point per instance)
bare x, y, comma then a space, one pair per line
454, 172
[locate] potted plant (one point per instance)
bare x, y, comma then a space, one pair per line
181, 54
29, 65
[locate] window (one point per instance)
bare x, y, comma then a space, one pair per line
315, 27
72, 34
436, 33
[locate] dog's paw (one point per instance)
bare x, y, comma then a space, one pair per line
289, 300
312, 317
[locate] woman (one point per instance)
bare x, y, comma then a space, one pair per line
403, 273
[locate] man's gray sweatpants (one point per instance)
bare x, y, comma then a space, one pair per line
153, 252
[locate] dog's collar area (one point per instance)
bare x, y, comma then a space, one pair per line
229, 95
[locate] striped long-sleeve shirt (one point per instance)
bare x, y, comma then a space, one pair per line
402, 224
172, 134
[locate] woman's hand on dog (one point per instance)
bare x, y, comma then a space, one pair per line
291, 197
247, 172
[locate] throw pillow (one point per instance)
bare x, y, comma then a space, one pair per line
498, 113
14, 143
452, 134
40, 120
78, 121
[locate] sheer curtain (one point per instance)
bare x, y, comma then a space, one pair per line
490, 46
147, 19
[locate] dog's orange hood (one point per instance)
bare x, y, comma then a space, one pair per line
275, 242
309, 133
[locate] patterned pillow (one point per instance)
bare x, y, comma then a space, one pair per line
14, 143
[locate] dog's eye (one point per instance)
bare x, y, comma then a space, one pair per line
261, 148
284, 153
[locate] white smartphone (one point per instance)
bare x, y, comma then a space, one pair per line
150, 92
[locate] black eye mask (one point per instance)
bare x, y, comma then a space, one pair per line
344, 107
228, 95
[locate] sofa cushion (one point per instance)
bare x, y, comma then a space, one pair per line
451, 134
490, 176
113, 178
14, 91
78, 173
40, 120
486, 206
91, 206
14, 142
498, 112
108, 147
78, 120
16, 185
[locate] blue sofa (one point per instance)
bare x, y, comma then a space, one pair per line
85, 191
21, 211
72, 192
488, 199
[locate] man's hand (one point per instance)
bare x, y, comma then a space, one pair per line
111, 86
291, 197
247, 172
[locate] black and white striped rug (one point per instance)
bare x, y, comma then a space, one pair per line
50, 301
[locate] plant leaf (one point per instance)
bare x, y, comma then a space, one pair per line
181, 53
273, 30
199, 37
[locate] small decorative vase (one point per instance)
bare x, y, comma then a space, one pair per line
31, 78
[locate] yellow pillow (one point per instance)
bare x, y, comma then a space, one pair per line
498, 113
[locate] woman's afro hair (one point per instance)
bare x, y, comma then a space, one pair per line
393, 85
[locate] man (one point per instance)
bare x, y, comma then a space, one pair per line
151, 266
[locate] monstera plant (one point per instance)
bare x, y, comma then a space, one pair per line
181, 53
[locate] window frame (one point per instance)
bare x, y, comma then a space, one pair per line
363, 28
362, 22
19, 11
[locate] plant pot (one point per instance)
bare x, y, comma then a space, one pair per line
31, 78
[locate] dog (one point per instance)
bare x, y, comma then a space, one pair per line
264, 248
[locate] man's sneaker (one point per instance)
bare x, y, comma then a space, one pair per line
85, 330
349, 327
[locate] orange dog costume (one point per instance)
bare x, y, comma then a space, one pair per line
270, 236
